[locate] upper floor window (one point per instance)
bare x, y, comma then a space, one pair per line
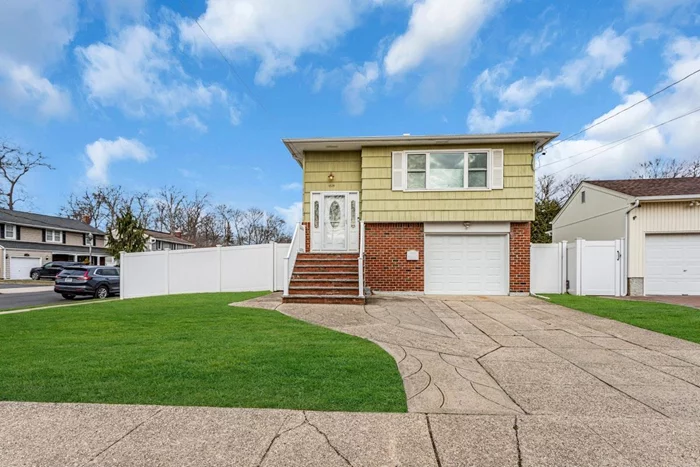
583, 197
10, 232
447, 170
54, 236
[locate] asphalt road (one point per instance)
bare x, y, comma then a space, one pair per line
12, 301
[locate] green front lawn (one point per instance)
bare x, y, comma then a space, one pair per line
191, 350
674, 320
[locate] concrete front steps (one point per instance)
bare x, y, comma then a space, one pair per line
325, 278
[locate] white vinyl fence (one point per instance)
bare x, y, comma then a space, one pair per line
218, 269
579, 268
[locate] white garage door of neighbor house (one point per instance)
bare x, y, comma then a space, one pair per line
672, 265
466, 264
20, 267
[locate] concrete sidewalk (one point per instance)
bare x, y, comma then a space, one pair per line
117, 435
28, 289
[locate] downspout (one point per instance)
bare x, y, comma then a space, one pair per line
635, 205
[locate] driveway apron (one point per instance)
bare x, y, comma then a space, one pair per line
518, 356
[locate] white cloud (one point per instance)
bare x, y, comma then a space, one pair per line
275, 32
137, 72
603, 54
33, 36
118, 12
438, 31
21, 87
359, 89
294, 186
479, 122
291, 215
102, 153
620, 85
678, 139
194, 122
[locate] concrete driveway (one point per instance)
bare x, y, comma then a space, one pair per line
506, 381
519, 355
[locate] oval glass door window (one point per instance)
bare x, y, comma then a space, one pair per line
334, 214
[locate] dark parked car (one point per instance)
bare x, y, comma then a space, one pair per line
95, 281
50, 270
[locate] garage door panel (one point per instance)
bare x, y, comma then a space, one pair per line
466, 264
672, 264
20, 267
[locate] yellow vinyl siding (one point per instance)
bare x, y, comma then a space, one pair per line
516, 202
666, 217
346, 167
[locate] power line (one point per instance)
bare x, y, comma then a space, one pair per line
249, 91
624, 110
616, 143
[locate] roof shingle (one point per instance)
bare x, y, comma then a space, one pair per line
44, 221
652, 186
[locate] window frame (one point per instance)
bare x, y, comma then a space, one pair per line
465, 154
14, 232
53, 236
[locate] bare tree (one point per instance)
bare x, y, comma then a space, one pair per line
168, 208
667, 168
85, 207
567, 186
192, 215
15, 163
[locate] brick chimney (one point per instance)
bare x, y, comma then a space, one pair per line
178, 233
87, 219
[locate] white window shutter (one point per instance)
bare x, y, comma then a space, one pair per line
398, 172
497, 169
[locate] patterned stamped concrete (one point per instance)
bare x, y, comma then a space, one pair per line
518, 356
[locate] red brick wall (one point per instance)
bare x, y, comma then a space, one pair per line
386, 267
307, 231
520, 257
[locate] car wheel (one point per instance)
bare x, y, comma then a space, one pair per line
68, 296
35, 276
102, 292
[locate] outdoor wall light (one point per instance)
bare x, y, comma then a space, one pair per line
331, 177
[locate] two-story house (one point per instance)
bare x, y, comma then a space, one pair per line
446, 214
29, 240
159, 241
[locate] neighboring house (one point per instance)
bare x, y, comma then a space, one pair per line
29, 240
158, 241
660, 220
445, 214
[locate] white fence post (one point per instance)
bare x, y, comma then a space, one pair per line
167, 272
273, 247
580, 245
122, 274
564, 266
218, 276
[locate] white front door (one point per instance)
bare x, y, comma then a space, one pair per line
672, 264
466, 264
335, 221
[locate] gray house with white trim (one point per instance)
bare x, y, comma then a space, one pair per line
29, 240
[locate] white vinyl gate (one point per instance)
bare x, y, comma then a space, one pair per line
580, 268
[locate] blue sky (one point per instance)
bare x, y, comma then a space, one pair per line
132, 92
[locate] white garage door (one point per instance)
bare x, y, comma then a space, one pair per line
466, 264
672, 265
20, 267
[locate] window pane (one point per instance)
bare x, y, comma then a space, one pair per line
416, 162
416, 180
478, 161
477, 179
446, 171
